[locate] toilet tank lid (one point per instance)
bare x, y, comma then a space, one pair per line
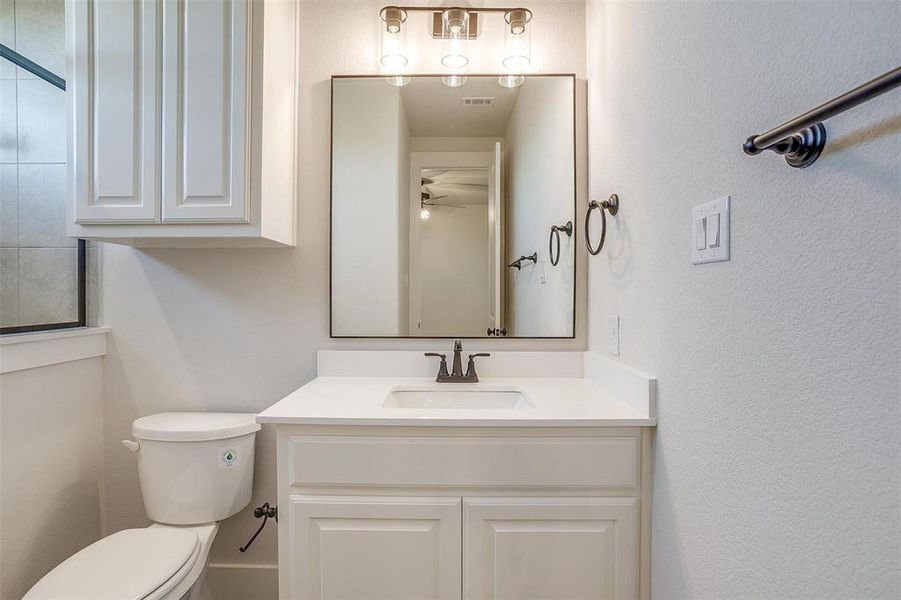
194, 426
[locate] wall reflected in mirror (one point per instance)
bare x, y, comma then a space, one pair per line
436, 192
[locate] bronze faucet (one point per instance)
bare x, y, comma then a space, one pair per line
456, 375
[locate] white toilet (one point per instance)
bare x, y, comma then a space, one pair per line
196, 469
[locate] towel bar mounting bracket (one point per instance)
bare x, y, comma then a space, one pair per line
800, 149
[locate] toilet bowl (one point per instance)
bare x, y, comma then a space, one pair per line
195, 469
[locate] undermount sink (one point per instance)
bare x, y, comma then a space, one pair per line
463, 399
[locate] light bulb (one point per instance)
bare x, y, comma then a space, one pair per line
456, 29
424, 214
517, 40
393, 53
454, 81
511, 81
398, 80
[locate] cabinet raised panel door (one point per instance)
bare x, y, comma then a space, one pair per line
550, 548
205, 107
114, 86
375, 548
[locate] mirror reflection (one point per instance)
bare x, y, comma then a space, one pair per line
444, 206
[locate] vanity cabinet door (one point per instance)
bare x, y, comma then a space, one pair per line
550, 548
375, 547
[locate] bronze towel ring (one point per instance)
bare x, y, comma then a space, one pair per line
610, 205
555, 235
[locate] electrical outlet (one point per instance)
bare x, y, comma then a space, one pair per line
613, 334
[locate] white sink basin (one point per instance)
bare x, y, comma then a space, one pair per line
462, 399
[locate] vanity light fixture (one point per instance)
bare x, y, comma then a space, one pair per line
393, 38
455, 27
424, 214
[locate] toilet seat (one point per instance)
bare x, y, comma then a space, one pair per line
134, 564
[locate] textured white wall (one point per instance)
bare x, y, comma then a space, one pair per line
238, 329
51, 467
777, 450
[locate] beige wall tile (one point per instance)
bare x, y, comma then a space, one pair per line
9, 287
47, 285
9, 206
42, 206
8, 134
41, 122
93, 299
7, 36
41, 34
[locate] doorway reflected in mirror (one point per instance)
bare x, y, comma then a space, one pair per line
435, 190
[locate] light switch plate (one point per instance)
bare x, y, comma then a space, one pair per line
613, 334
719, 211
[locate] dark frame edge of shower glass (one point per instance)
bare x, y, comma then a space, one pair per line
81, 285
81, 288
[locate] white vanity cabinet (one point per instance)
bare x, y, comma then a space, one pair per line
463, 512
182, 121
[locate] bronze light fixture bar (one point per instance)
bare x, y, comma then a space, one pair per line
455, 27
802, 139
473, 30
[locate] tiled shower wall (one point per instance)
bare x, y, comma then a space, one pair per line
38, 263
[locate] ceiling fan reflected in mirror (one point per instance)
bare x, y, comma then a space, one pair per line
426, 199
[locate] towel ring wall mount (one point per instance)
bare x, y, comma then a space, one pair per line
555, 236
610, 205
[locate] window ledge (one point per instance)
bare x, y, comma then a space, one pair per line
20, 351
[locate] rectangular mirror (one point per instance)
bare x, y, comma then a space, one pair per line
444, 203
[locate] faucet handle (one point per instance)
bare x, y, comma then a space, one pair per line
442, 368
471, 366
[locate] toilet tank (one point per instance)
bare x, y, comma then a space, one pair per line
195, 467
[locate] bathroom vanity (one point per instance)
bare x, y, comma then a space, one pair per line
517, 486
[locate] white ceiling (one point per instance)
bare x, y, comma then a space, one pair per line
435, 110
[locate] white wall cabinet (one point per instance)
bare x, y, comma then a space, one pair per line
415, 512
182, 121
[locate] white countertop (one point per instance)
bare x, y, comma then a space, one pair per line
555, 402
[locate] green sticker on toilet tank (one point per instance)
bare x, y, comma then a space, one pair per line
229, 457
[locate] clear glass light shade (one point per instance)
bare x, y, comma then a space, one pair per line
517, 40
456, 31
398, 80
454, 81
424, 214
511, 81
393, 53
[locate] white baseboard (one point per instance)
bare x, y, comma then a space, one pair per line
237, 581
